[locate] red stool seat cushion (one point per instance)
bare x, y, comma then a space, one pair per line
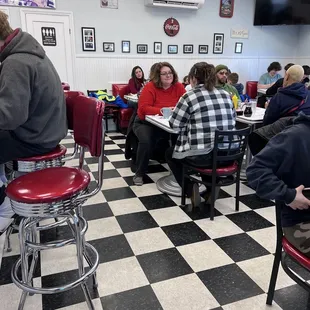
221, 170
59, 151
297, 255
48, 185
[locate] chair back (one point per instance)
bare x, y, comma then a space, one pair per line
116, 89
70, 101
251, 89
88, 124
230, 146
72, 94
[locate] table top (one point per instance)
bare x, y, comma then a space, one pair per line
256, 117
132, 98
262, 91
160, 122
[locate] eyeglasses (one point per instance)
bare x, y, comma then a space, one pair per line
223, 73
166, 73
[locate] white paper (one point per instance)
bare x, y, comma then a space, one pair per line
239, 33
109, 4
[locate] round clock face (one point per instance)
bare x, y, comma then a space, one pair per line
171, 27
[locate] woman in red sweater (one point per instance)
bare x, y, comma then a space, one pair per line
163, 91
137, 80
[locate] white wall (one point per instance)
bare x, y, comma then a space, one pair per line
303, 50
143, 25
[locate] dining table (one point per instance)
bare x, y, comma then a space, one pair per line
132, 97
166, 184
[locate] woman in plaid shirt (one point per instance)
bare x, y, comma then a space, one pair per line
197, 115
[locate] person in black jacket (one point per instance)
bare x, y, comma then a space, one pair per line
271, 91
281, 171
291, 99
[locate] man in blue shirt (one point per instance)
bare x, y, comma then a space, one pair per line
270, 77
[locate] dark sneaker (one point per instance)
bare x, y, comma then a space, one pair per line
195, 197
138, 180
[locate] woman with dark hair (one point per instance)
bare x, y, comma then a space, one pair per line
137, 80
197, 115
271, 76
162, 91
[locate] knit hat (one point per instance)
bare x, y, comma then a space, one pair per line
220, 67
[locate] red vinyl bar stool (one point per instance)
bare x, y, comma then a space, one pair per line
59, 192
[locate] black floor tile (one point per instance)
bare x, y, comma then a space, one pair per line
201, 212
114, 138
122, 164
157, 201
136, 221
109, 142
118, 193
112, 248
59, 233
107, 174
97, 211
241, 247
122, 145
7, 265
163, 265
146, 180
185, 233
156, 169
254, 202
223, 194
113, 152
94, 160
68, 298
137, 299
229, 284
249, 221
292, 297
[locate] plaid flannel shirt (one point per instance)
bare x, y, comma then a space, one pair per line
197, 115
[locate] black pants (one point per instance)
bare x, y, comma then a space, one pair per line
148, 136
176, 166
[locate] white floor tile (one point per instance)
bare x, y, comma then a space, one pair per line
126, 206
227, 206
114, 183
125, 172
268, 213
244, 190
119, 157
103, 228
146, 190
266, 237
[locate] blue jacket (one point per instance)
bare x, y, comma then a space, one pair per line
283, 165
286, 99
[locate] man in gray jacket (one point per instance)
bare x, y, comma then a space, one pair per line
32, 103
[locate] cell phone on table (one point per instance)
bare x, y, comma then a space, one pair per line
306, 192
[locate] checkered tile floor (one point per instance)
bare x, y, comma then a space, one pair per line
155, 256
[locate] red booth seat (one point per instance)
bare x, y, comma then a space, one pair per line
251, 89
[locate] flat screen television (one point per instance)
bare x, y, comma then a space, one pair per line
282, 12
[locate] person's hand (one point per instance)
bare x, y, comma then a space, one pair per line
266, 104
300, 202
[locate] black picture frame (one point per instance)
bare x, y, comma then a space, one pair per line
88, 39
142, 48
108, 47
218, 43
238, 47
188, 49
125, 46
203, 49
158, 47
173, 49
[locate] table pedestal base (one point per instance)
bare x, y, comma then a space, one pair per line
169, 185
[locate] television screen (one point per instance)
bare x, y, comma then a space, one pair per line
282, 12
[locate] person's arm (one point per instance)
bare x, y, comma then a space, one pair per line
262, 83
147, 101
271, 91
272, 112
16, 82
132, 87
181, 114
261, 173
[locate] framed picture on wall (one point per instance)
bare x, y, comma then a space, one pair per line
203, 49
157, 47
218, 43
142, 48
226, 8
88, 39
188, 49
108, 47
125, 46
172, 49
238, 47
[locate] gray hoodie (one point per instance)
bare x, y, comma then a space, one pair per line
32, 102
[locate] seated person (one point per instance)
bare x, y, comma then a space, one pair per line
271, 91
233, 80
162, 91
280, 171
291, 99
32, 103
270, 77
306, 80
221, 80
185, 81
137, 80
197, 115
